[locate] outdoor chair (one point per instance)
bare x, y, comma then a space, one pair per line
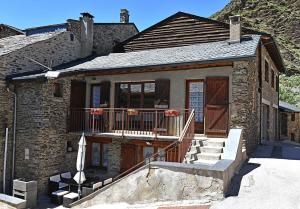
66, 175
57, 196
69, 199
107, 181
88, 190
55, 184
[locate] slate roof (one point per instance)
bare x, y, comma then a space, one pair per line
199, 53
12, 43
288, 107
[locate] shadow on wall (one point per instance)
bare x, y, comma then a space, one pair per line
235, 184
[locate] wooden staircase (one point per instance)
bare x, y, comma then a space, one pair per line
205, 150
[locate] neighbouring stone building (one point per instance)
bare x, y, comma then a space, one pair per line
227, 73
6, 31
289, 122
36, 50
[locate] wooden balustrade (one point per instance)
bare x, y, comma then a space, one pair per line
128, 121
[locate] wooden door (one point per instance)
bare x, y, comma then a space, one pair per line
128, 159
216, 106
195, 100
77, 103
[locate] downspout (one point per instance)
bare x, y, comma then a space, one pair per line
260, 90
14, 134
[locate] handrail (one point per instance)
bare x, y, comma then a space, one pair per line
173, 147
185, 129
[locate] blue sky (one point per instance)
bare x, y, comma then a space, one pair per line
144, 13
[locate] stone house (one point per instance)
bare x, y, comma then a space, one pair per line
36, 50
136, 101
289, 119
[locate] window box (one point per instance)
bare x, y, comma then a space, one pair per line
132, 112
172, 113
96, 111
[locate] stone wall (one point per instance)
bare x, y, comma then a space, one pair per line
106, 36
60, 49
6, 31
41, 130
245, 102
158, 183
270, 98
57, 50
6, 120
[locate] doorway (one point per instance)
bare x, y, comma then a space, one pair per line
195, 100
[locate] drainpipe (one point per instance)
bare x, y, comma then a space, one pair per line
14, 134
5, 159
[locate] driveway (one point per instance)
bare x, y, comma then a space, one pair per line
270, 180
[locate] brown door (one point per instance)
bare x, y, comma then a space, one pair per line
128, 153
77, 102
195, 100
216, 106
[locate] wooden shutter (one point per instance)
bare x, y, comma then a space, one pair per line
162, 92
105, 93
78, 90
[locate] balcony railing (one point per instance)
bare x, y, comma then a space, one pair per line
154, 122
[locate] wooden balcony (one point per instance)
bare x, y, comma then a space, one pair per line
120, 122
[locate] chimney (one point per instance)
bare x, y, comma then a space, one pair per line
124, 16
86, 34
235, 29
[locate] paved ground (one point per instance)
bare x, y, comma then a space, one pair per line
270, 180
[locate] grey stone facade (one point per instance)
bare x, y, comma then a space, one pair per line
106, 36
245, 104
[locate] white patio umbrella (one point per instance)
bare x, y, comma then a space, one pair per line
80, 177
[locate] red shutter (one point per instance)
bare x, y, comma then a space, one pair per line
162, 92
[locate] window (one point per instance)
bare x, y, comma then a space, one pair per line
284, 124
69, 146
135, 95
266, 71
99, 155
273, 79
57, 90
96, 96
293, 117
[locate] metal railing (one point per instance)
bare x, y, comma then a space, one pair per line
174, 152
128, 121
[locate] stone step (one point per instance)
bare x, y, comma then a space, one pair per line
197, 142
211, 149
206, 162
195, 149
214, 143
208, 156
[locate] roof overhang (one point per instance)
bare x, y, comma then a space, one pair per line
273, 50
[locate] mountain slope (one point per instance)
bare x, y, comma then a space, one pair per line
281, 18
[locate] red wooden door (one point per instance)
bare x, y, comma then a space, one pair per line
216, 106
128, 153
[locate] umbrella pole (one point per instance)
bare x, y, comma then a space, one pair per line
79, 189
